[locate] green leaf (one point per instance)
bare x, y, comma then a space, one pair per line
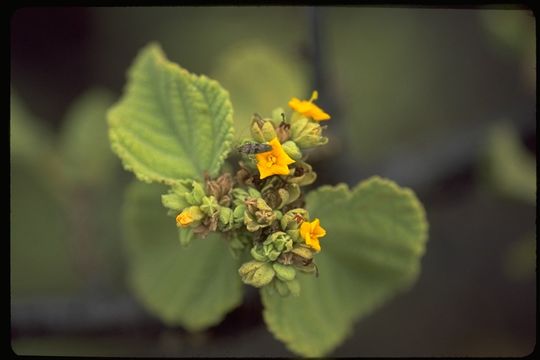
84, 142
190, 286
170, 124
511, 169
376, 234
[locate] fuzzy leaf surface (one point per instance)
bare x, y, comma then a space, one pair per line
376, 235
170, 124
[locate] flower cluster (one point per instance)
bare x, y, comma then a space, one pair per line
260, 207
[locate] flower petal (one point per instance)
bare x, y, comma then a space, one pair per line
183, 219
293, 103
308, 108
278, 165
315, 244
305, 229
318, 114
281, 156
264, 170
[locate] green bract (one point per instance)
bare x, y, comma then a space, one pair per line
321, 261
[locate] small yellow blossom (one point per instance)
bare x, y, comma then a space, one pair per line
308, 108
184, 219
273, 162
311, 232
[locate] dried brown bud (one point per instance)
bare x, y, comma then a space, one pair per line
207, 225
220, 188
283, 132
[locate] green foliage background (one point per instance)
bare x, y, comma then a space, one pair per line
403, 80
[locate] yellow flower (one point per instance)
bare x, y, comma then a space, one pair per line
308, 108
184, 219
273, 162
311, 232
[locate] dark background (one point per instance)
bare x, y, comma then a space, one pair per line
414, 94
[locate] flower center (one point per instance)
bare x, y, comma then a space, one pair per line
270, 160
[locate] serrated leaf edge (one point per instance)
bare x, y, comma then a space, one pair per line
160, 57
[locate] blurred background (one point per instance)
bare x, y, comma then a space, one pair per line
439, 100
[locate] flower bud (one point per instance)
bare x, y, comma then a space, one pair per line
243, 177
239, 195
198, 189
306, 133
277, 194
226, 218
292, 150
309, 268
272, 198
256, 273
208, 224
295, 235
258, 214
268, 131
220, 188
257, 252
254, 193
256, 132
292, 219
298, 123
294, 192
284, 272
283, 197
183, 219
262, 130
238, 214
209, 205
283, 132
197, 193
272, 247
303, 252
279, 241
302, 174
301, 258
189, 216
263, 208
247, 175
